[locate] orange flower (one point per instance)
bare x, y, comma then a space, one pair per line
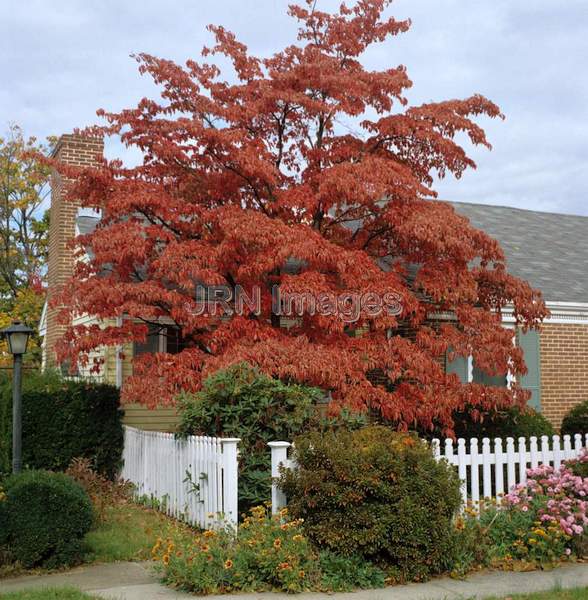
209, 533
301, 574
277, 543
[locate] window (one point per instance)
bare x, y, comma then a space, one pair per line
161, 338
478, 376
151, 345
529, 342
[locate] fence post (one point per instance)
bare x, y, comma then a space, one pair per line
279, 457
230, 480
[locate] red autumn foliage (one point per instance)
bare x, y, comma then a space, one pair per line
241, 174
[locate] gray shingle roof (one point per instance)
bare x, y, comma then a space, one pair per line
548, 250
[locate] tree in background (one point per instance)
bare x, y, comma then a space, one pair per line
24, 226
304, 155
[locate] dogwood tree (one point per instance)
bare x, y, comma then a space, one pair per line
305, 171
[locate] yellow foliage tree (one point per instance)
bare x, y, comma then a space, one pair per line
24, 226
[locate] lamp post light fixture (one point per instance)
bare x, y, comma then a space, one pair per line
17, 336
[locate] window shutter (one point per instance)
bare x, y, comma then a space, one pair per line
459, 366
529, 343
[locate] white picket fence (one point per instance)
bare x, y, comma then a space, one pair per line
194, 479
486, 471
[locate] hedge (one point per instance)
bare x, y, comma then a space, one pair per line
63, 420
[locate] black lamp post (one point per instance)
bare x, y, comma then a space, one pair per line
17, 336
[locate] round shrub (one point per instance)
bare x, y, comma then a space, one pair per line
63, 420
243, 402
48, 515
377, 494
576, 421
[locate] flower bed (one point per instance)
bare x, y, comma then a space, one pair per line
542, 521
270, 553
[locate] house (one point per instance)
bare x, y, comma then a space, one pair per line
548, 250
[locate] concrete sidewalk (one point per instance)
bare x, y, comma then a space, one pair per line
136, 581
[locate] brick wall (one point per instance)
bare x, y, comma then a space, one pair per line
564, 369
79, 151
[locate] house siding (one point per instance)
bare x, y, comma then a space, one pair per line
137, 415
564, 369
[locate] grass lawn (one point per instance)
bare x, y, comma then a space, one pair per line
129, 531
48, 594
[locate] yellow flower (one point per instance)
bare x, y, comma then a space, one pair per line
298, 538
301, 574
284, 512
277, 543
165, 559
532, 541
228, 564
540, 532
209, 533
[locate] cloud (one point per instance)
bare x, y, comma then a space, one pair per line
62, 61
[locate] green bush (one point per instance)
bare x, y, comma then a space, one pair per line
63, 420
512, 422
576, 421
47, 515
376, 494
242, 402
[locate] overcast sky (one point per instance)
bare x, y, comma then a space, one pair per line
63, 59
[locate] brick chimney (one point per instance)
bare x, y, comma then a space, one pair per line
77, 150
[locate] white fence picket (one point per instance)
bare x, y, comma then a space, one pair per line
194, 478
513, 458
498, 467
